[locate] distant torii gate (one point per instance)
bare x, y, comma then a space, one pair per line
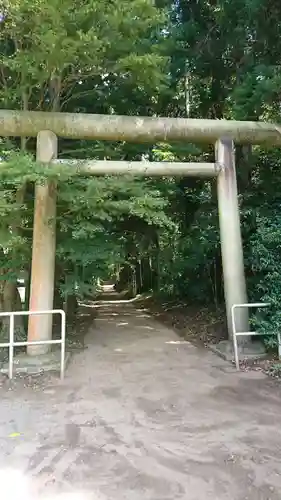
48, 126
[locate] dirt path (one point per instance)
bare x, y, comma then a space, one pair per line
144, 415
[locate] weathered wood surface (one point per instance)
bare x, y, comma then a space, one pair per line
155, 169
136, 129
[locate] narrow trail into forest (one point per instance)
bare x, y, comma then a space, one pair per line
145, 415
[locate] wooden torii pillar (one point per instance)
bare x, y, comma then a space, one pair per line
43, 249
235, 290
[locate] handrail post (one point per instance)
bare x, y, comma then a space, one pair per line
11, 344
246, 333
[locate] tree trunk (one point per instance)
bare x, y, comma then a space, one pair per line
11, 301
71, 305
58, 299
147, 274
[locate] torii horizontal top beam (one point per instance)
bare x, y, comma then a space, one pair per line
136, 128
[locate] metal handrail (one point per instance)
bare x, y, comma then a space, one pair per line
239, 334
11, 344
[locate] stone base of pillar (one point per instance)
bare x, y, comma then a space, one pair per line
36, 365
247, 350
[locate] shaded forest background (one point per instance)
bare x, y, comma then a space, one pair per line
187, 58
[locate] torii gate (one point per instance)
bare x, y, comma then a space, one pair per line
223, 133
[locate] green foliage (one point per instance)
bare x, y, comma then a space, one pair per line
226, 64
95, 216
101, 213
61, 55
140, 57
264, 258
50, 49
